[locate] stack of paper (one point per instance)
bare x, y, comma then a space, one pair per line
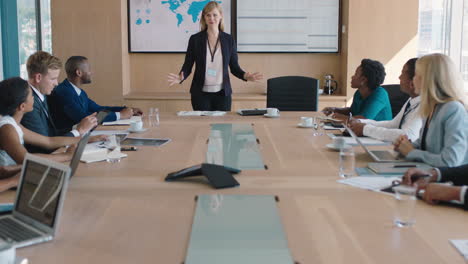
201, 113
373, 183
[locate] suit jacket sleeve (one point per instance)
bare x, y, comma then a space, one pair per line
455, 139
94, 107
189, 58
465, 205
234, 62
457, 175
34, 121
75, 111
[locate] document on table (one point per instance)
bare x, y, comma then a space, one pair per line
364, 140
95, 152
328, 127
462, 246
370, 182
123, 122
201, 113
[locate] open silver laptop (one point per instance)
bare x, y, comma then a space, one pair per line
377, 155
38, 203
78, 153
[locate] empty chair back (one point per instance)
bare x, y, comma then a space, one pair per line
293, 93
396, 96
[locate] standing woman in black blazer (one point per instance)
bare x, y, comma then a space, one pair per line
212, 50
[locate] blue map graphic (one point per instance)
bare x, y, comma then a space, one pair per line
183, 8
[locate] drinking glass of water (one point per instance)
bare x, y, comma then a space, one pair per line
153, 117
405, 199
113, 154
346, 161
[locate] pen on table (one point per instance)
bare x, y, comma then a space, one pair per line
349, 118
405, 166
129, 149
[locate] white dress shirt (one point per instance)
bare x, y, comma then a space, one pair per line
214, 70
390, 131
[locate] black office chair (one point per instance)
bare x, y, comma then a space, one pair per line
396, 96
293, 93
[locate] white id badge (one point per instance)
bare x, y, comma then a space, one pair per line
211, 72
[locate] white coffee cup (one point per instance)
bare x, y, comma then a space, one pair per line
306, 121
136, 125
339, 142
272, 111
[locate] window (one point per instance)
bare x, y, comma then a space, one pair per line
464, 48
443, 28
27, 37
29, 31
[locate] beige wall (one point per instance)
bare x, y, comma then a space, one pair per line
378, 29
382, 30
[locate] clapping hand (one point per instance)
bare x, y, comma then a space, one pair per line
87, 124
173, 78
356, 126
403, 145
253, 77
328, 110
137, 111
435, 192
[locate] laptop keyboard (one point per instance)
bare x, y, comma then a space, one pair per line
383, 155
10, 229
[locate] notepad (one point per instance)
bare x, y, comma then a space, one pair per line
396, 167
461, 246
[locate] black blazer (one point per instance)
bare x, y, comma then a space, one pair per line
457, 175
39, 121
196, 53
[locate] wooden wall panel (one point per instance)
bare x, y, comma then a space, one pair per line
378, 29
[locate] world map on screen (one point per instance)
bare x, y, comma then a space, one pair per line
166, 25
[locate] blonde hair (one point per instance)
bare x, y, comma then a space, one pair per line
41, 62
440, 82
208, 8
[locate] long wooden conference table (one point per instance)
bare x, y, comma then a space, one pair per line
127, 213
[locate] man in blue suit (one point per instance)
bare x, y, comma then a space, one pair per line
43, 72
70, 103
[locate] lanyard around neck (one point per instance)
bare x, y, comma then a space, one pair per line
212, 53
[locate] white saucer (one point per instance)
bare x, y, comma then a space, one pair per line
137, 131
305, 126
271, 116
333, 147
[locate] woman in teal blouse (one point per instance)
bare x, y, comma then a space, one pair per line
370, 100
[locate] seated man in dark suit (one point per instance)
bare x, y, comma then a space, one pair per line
435, 192
43, 72
71, 103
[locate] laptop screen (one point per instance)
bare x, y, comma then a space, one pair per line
39, 193
78, 152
